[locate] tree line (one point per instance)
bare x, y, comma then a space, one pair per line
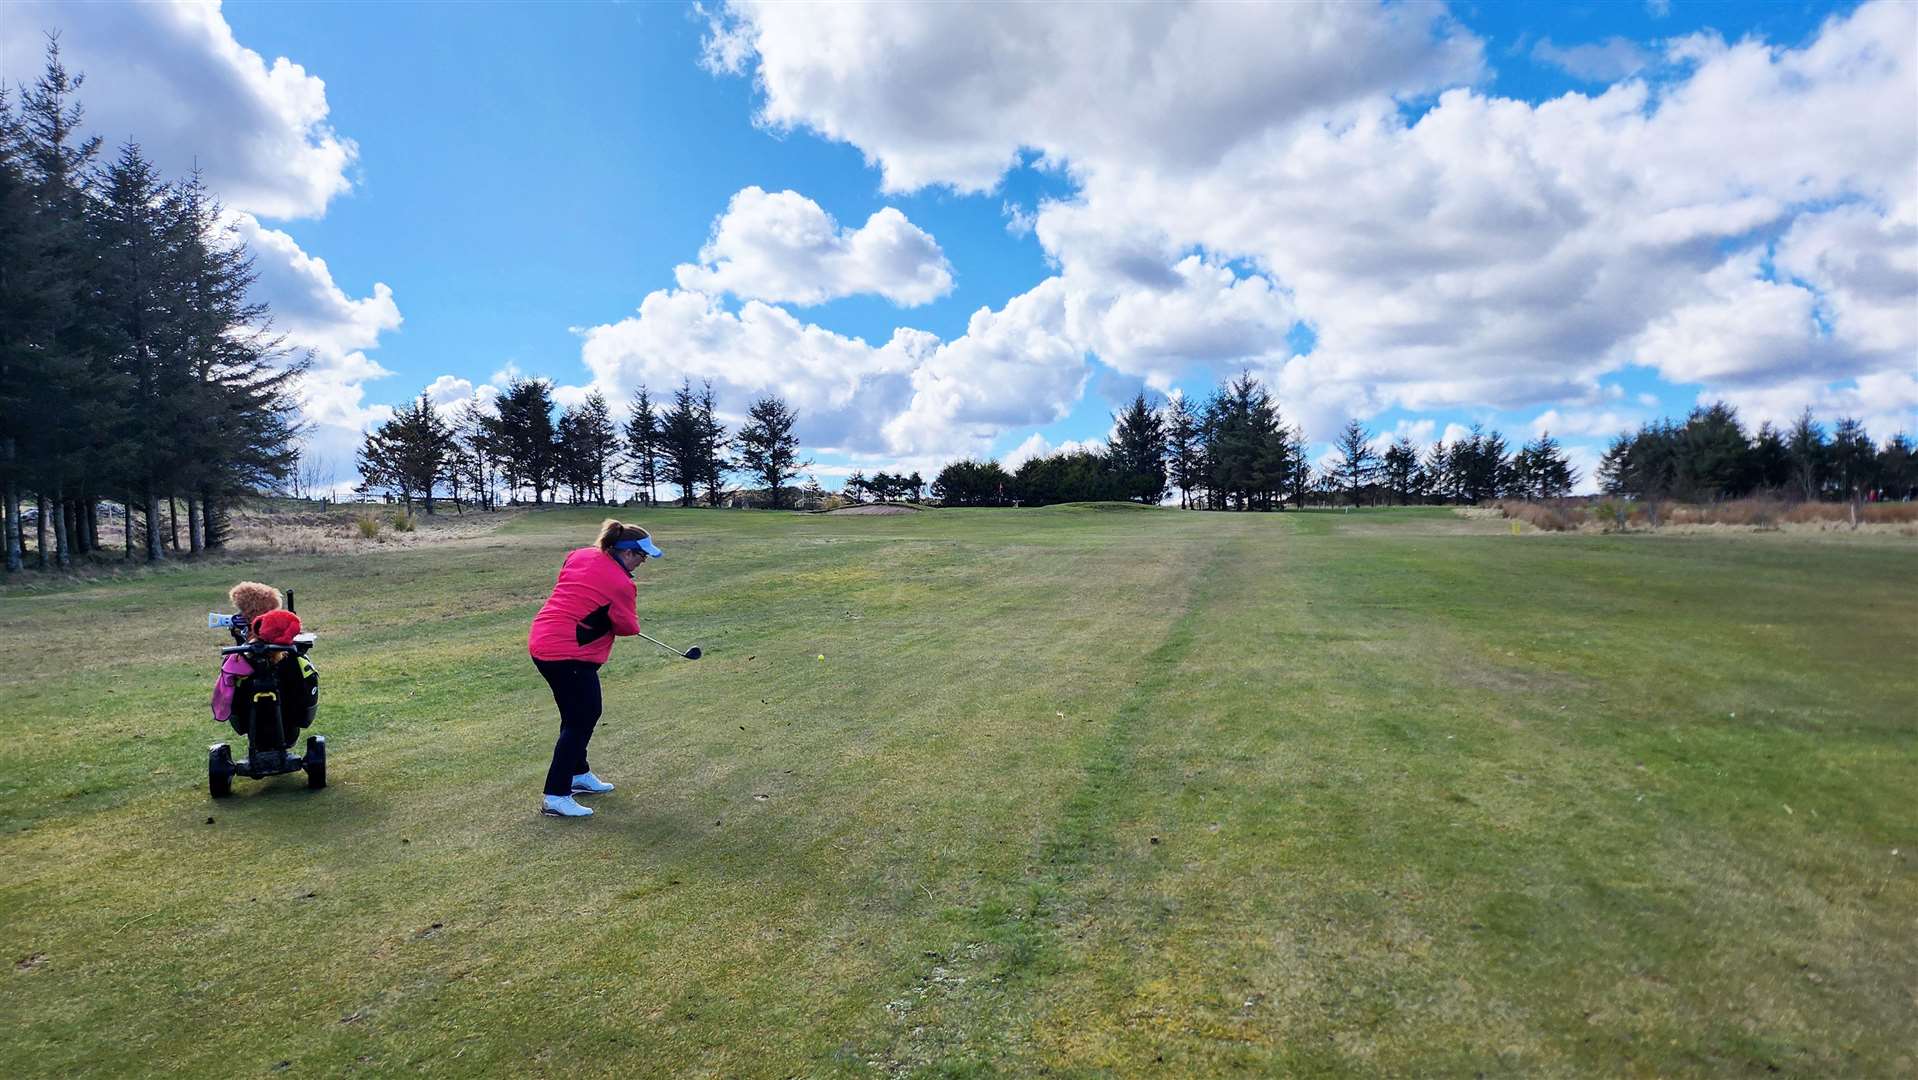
1234, 451
486, 452
884, 487
1711, 457
134, 369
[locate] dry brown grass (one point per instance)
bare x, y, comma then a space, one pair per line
1758, 515
1554, 516
264, 529
343, 530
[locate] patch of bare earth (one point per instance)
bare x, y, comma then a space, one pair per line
337, 530
883, 510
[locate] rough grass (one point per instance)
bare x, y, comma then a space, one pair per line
1072, 793
1759, 514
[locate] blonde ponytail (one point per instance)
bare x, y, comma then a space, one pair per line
612, 531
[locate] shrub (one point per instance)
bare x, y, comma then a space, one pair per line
368, 525
1763, 513
1547, 517
404, 521
1612, 515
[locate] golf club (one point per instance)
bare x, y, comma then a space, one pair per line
690, 654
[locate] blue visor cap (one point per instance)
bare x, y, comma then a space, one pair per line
646, 545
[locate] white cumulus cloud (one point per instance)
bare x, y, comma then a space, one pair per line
951, 94
171, 77
1603, 61
784, 248
1037, 445
333, 329
1481, 253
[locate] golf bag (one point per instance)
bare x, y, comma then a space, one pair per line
277, 702
271, 706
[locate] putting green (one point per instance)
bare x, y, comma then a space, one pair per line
1087, 790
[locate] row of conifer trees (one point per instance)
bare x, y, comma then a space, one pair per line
138, 379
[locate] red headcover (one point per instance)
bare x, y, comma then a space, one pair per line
276, 627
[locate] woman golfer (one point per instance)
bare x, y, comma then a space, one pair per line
593, 602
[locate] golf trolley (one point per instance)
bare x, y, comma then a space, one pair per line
272, 706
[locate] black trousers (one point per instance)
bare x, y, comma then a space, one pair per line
575, 686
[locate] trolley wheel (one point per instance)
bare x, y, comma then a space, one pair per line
315, 761
219, 770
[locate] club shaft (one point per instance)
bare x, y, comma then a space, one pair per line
661, 644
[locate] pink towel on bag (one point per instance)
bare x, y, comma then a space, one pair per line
231, 672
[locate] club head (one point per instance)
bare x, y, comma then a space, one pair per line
692, 653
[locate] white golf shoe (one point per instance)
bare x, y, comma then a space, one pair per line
564, 806
588, 784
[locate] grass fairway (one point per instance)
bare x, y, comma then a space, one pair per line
1080, 791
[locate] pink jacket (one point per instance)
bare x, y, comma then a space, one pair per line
231, 672
593, 601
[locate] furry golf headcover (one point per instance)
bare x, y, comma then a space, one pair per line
252, 599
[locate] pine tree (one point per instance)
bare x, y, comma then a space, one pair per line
407, 455
1713, 458
522, 435
681, 439
1297, 450
1138, 451
642, 446
1184, 453
1769, 468
1806, 443
1541, 471
68, 399
1852, 457
1273, 469
599, 443
1358, 463
1239, 424
569, 455
1434, 473
1898, 467
136, 297
1614, 465
234, 380
24, 300
474, 455
1400, 469
767, 448
714, 464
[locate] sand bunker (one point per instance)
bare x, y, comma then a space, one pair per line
883, 508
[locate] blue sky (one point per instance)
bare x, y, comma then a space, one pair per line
487, 184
